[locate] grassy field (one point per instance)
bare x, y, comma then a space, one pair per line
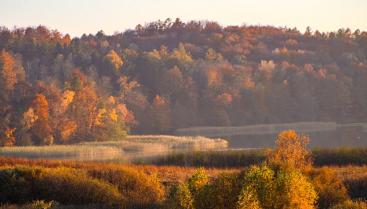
134, 148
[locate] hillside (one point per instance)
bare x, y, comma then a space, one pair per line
168, 75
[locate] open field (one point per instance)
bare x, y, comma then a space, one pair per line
132, 149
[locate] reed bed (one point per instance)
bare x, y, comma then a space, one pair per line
134, 148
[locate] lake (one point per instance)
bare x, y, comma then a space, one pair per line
322, 134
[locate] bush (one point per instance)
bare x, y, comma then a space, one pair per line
64, 185
286, 189
329, 187
180, 198
138, 188
224, 191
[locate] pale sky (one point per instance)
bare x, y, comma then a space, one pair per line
89, 16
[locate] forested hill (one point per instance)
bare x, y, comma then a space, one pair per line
170, 74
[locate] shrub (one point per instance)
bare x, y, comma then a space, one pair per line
180, 197
295, 191
286, 189
137, 187
199, 188
224, 191
198, 180
64, 185
258, 188
329, 187
199, 193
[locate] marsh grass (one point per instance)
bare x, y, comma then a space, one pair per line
77, 152
134, 148
341, 156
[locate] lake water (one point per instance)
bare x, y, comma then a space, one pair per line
343, 136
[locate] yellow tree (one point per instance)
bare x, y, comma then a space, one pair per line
114, 60
7, 138
291, 151
276, 189
41, 129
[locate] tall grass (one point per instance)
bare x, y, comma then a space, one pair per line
129, 150
76, 152
242, 158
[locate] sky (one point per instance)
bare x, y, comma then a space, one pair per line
77, 17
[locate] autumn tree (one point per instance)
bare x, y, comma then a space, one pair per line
114, 60
278, 189
7, 137
41, 128
291, 151
159, 115
180, 197
8, 77
329, 187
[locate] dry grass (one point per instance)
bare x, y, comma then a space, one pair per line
166, 174
76, 152
351, 172
135, 148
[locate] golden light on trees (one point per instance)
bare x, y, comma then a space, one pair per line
114, 59
291, 151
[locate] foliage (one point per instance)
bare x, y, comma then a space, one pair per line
171, 74
224, 188
64, 185
223, 192
329, 187
138, 188
198, 180
291, 151
180, 197
265, 188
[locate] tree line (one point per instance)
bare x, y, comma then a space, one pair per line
171, 74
